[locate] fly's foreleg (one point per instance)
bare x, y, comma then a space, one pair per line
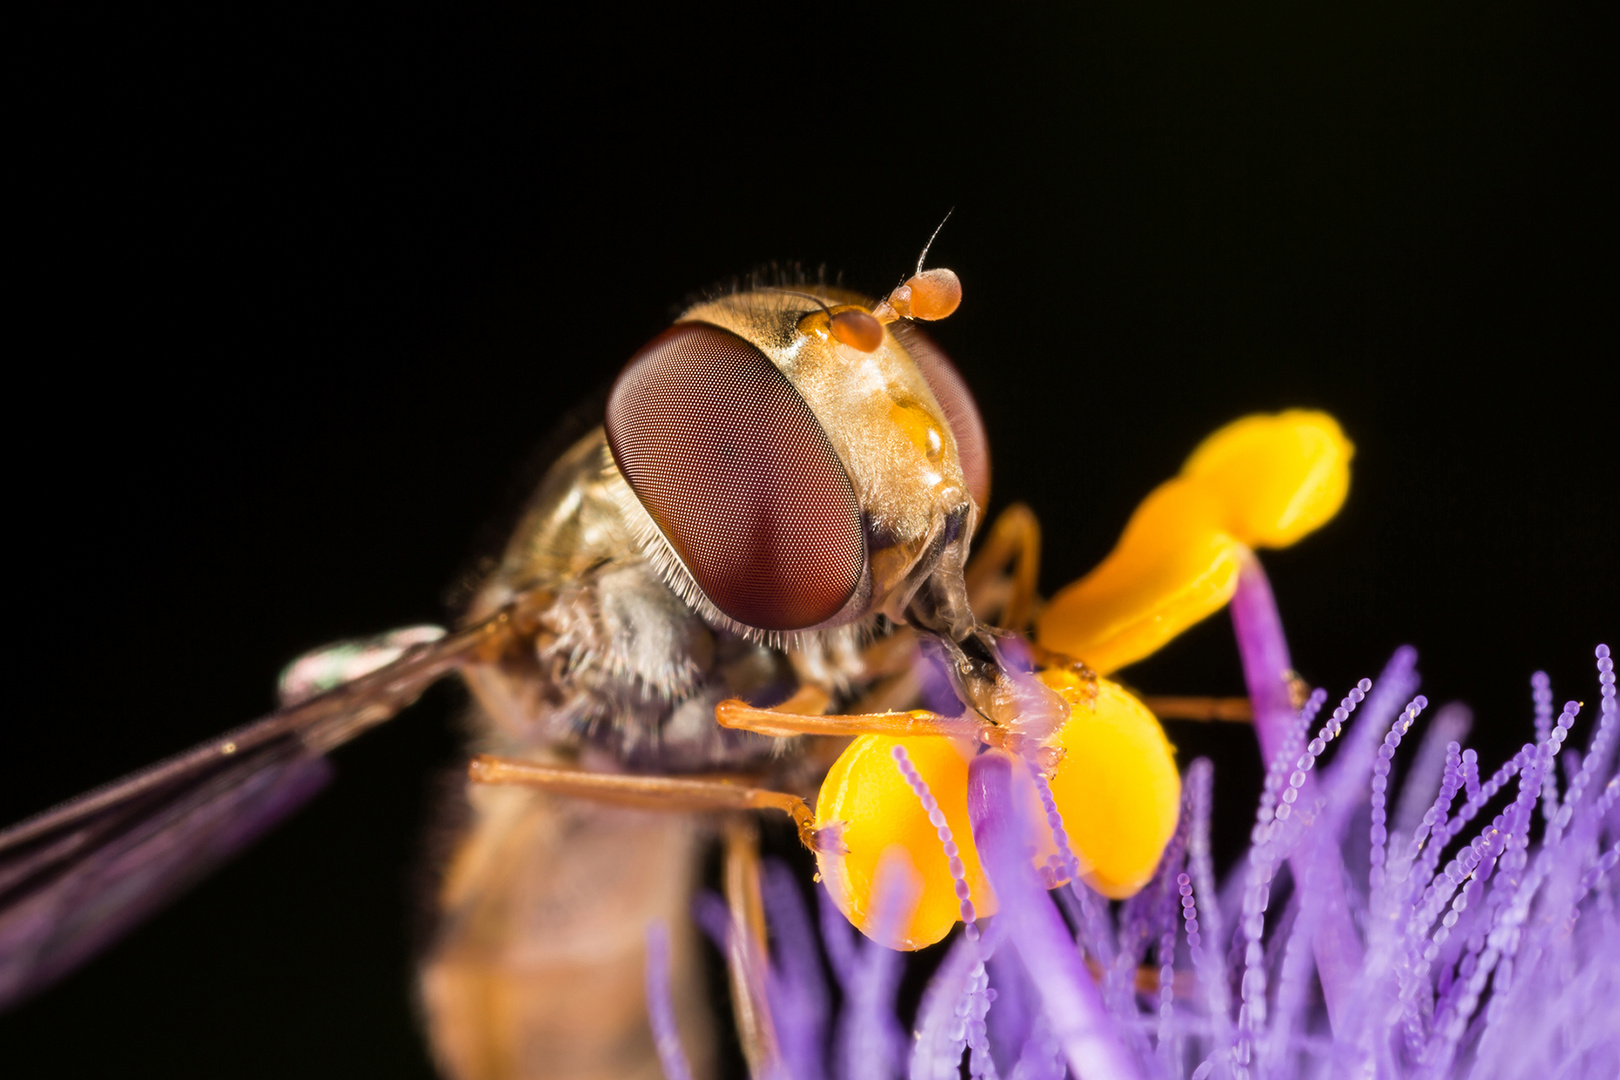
904, 725
1001, 576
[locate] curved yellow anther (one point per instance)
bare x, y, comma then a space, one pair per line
1172, 567
1262, 481
1115, 786
1276, 477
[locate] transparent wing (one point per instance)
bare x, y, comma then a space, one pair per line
75, 877
73, 893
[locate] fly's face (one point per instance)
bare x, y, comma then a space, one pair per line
793, 462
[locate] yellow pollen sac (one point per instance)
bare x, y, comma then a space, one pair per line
1277, 477
1116, 788
866, 789
1262, 481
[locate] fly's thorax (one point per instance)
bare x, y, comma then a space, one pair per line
570, 524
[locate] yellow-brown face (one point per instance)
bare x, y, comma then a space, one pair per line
802, 466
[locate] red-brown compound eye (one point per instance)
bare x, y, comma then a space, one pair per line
961, 411
738, 474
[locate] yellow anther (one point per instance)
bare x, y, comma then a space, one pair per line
1171, 568
1262, 481
1115, 786
1277, 477
866, 789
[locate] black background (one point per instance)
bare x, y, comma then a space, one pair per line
299, 295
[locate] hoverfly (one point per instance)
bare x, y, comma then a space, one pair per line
786, 480
772, 520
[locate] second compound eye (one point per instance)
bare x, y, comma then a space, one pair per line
961, 411
738, 475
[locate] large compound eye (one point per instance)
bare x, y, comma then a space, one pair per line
740, 477
961, 411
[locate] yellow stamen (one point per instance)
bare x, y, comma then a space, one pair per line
1262, 481
866, 789
1115, 786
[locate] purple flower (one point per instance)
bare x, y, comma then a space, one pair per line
1477, 933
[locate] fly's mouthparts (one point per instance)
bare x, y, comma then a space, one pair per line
992, 672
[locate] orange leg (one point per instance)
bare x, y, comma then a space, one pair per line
745, 957
1001, 576
1234, 709
670, 793
740, 714
891, 665
807, 700
890, 655
916, 722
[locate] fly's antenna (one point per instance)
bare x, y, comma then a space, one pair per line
927, 294
931, 239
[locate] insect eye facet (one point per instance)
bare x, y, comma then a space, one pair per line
739, 476
961, 411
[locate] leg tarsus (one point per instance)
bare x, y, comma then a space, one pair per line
807, 700
1166, 706
890, 654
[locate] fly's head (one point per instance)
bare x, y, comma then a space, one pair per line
800, 459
